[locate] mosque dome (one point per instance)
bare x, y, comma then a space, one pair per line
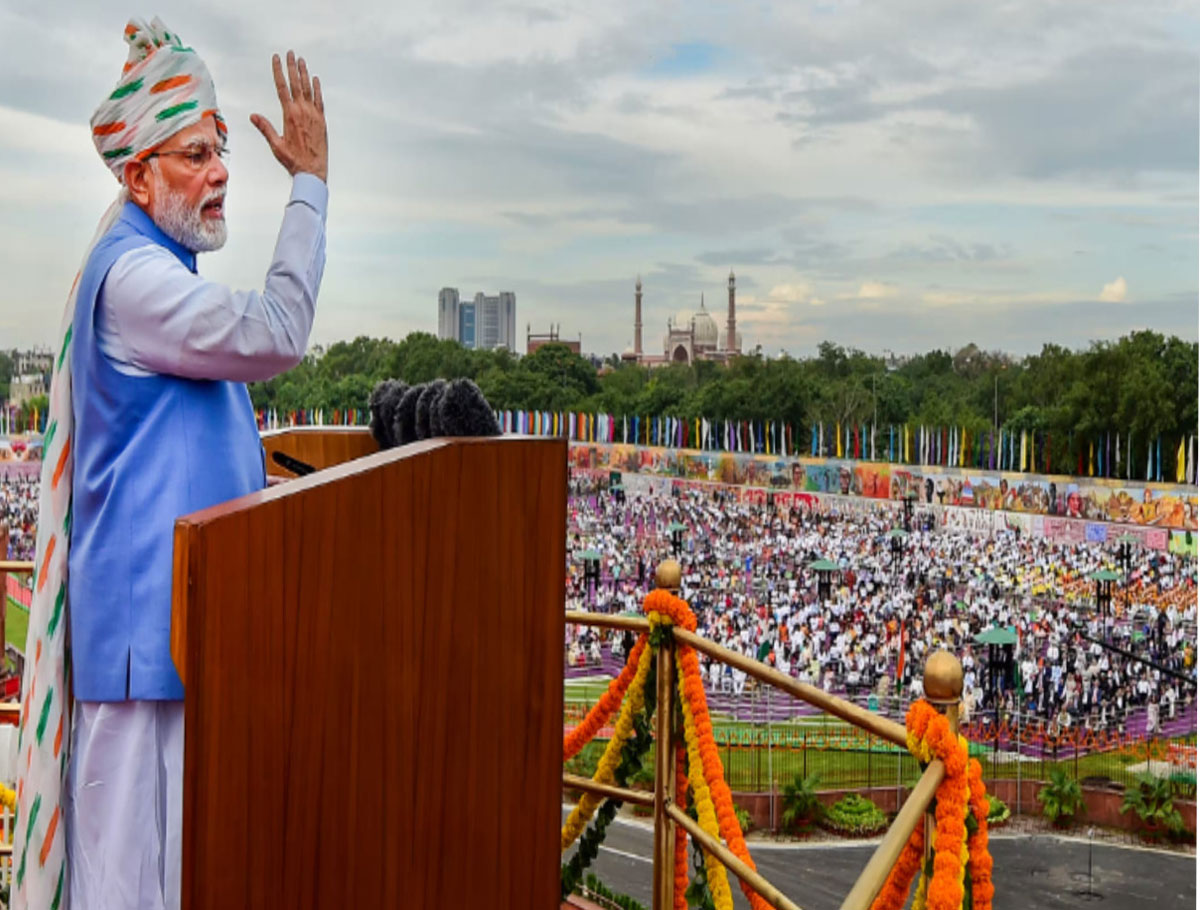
701, 319
706, 329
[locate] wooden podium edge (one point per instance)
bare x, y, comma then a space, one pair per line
186, 526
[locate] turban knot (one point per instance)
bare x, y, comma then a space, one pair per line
164, 88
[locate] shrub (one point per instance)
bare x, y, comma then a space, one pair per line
801, 807
1153, 800
744, 819
1185, 783
1061, 798
854, 815
998, 811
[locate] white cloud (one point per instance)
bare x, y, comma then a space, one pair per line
1114, 291
795, 292
876, 290
534, 146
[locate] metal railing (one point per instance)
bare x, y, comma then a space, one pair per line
667, 813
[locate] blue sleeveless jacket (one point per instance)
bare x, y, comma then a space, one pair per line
147, 450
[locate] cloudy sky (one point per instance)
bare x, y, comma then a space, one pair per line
892, 176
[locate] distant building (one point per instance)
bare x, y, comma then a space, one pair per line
448, 313
35, 361
485, 323
533, 342
690, 336
31, 375
26, 387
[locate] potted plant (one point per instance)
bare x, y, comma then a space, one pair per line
855, 816
801, 805
745, 820
998, 811
1061, 798
1152, 799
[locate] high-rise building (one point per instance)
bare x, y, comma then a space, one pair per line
448, 318
485, 322
467, 335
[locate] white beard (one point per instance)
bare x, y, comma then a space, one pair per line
187, 226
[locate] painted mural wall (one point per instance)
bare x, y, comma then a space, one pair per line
958, 490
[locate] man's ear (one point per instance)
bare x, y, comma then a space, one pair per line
139, 180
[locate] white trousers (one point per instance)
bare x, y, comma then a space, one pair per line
124, 805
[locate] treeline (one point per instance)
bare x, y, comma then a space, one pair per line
1144, 384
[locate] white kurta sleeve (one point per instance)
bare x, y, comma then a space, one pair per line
155, 315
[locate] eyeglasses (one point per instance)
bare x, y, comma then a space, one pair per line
197, 157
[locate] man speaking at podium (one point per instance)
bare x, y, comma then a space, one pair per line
149, 420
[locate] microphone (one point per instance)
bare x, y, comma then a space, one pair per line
292, 464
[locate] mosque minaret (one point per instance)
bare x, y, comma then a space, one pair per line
690, 336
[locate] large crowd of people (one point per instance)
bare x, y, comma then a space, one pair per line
18, 512
748, 577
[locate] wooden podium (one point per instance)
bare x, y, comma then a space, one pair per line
372, 657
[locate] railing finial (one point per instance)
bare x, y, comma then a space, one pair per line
669, 575
943, 679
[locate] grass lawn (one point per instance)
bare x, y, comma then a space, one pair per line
841, 763
16, 624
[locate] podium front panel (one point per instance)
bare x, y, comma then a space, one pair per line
373, 671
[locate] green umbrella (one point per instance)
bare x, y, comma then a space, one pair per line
897, 532
824, 565
589, 555
1105, 575
676, 526
997, 636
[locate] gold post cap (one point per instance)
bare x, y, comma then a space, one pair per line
669, 575
943, 679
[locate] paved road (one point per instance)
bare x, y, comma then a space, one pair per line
1032, 873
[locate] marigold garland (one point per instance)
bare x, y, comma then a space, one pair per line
697, 761
982, 889
8, 798
681, 858
600, 713
718, 881
663, 607
899, 880
589, 802
922, 892
959, 860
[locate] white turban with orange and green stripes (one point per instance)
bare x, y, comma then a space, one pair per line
164, 88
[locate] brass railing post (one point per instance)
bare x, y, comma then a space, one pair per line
943, 685
668, 575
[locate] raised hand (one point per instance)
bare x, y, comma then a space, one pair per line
303, 147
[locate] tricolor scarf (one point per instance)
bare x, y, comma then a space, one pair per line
164, 88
